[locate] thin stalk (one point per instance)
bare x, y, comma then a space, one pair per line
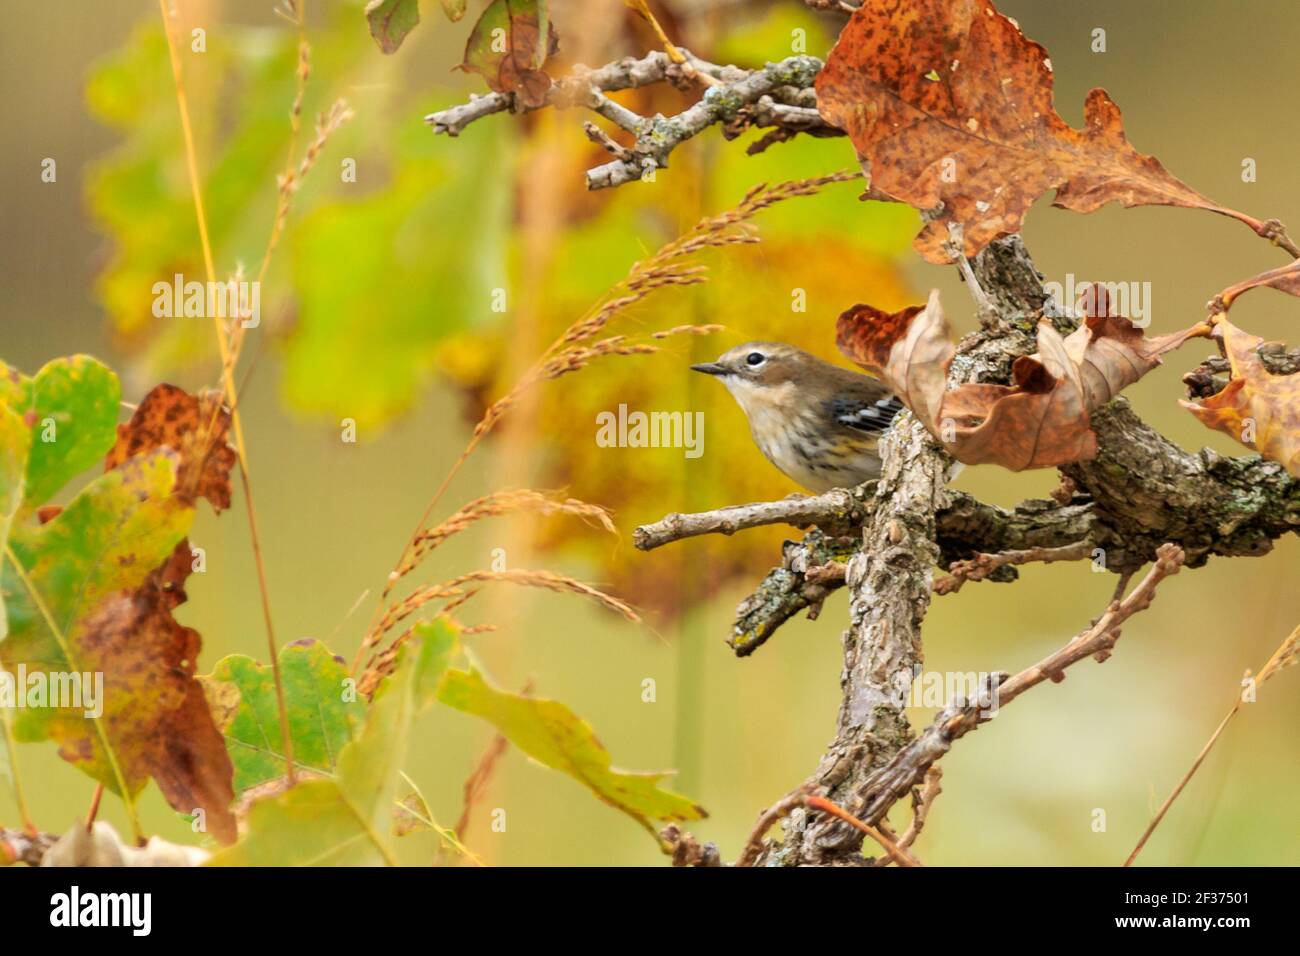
231, 393
19, 797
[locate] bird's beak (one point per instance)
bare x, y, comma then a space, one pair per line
711, 368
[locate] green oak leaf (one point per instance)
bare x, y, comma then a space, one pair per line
391, 20
70, 408
455, 9
347, 820
72, 571
324, 712
554, 735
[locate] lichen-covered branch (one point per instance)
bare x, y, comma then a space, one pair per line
1145, 490
791, 588
779, 97
890, 582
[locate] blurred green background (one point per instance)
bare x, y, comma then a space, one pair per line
377, 308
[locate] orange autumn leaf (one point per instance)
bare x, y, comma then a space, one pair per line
1043, 419
1284, 278
164, 728
1257, 408
950, 108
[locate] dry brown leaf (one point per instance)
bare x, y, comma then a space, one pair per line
1257, 408
1040, 421
193, 426
508, 46
147, 655
950, 108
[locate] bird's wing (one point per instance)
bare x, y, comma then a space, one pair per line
865, 414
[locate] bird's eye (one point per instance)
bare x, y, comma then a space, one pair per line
754, 358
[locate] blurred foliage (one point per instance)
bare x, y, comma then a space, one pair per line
393, 281
346, 819
383, 279
380, 269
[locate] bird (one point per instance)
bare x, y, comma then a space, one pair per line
818, 423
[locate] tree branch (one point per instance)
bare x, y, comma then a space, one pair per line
986, 565
909, 767
21, 846
778, 96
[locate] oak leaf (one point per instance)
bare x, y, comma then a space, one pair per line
90, 589
195, 427
1256, 407
391, 20
345, 818
950, 108
1042, 420
553, 735
322, 717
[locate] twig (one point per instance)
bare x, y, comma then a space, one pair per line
921, 806
1287, 653
804, 797
228, 381
94, 806
982, 565
685, 850
775, 96
909, 766
901, 857
24, 846
766, 820
839, 509
1210, 377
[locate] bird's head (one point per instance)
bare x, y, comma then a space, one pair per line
761, 375
758, 365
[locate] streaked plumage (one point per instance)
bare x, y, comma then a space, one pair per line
818, 423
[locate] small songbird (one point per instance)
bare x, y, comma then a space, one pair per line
818, 423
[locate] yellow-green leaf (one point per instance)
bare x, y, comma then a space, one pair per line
391, 20
323, 709
347, 820
553, 735
70, 409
